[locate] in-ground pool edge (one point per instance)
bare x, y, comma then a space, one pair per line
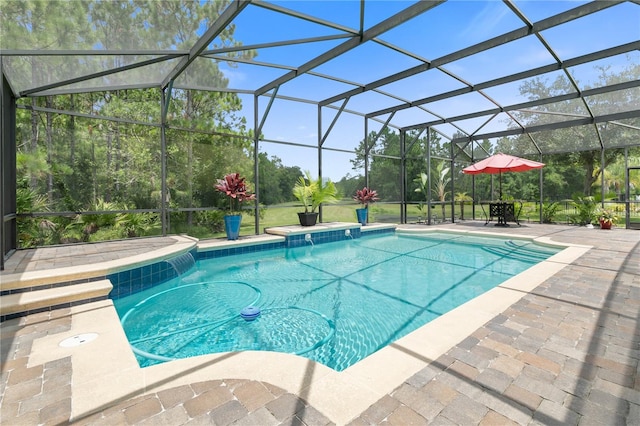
94, 271
154, 271
340, 396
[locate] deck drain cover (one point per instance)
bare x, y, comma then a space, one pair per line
78, 340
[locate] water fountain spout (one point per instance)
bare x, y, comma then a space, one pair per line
182, 263
307, 238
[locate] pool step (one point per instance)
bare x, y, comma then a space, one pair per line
46, 299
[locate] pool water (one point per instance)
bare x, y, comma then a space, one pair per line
334, 303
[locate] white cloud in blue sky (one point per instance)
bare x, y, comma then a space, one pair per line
483, 24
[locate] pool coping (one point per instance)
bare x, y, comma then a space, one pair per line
182, 244
105, 370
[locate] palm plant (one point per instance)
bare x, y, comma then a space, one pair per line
32, 231
549, 210
586, 207
99, 218
462, 197
423, 183
441, 182
137, 224
313, 192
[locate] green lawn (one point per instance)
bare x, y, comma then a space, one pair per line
287, 214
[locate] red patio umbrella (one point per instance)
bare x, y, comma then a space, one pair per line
499, 163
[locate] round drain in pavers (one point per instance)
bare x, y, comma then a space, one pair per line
78, 340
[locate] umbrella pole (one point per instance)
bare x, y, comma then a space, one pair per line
500, 178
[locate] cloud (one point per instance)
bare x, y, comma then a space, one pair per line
535, 57
236, 78
483, 23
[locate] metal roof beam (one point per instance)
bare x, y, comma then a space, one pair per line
367, 148
273, 44
401, 50
86, 115
267, 110
544, 24
95, 75
556, 57
96, 89
3, 75
515, 77
554, 126
248, 62
537, 102
373, 85
305, 17
294, 99
212, 32
177, 86
414, 139
354, 42
333, 122
628, 126
89, 52
350, 32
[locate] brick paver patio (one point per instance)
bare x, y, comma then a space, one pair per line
566, 353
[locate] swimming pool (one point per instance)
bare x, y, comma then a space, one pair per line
334, 303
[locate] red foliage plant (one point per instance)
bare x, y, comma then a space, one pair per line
366, 196
233, 186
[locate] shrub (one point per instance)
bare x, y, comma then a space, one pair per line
213, 220
549, 211
586, 207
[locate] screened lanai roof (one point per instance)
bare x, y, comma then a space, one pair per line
456, 66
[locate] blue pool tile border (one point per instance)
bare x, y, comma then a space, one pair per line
231, 251
131, 281
367, 233
299, 240
135, 280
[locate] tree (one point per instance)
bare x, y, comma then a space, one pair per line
580, 144
384, 160
276, 180
348, 185
81, 160
383, 168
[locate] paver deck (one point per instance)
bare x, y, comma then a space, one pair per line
565, 353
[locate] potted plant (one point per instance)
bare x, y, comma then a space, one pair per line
233, 186
462, 198
311, 193
607, 218
364, 196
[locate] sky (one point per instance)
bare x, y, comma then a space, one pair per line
434, 34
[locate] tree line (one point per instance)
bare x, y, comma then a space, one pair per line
101, 151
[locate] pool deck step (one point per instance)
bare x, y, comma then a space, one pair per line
23, 303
